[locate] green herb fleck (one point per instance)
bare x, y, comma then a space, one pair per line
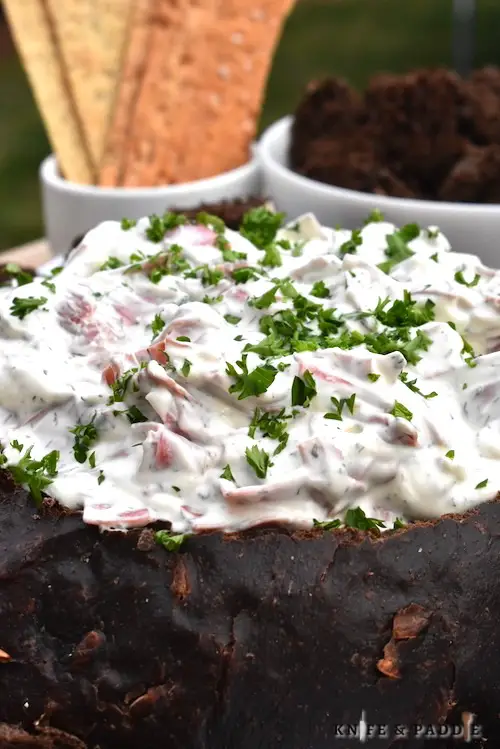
339, 405
482, 484
128, 223
253, 383
356, 518
327, 525
459, 278
101, 477
352, 244
232, 319
259, 460
186, 368
227, 473
373, 377
21, 276
320, 290
398, 523
22, 306
85, 436
111, 264
303, 389
157, 325
36, 475
170, 541
260, 226
400, 411
450, 454
375, 217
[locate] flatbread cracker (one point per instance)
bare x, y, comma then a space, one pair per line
91, 36
38, 50
222, 87
132, 73
156, 112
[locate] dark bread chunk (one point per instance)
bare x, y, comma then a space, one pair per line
475, 178
263, 639
330, 108
481, 117
416, 120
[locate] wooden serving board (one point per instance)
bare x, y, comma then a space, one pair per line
30, 255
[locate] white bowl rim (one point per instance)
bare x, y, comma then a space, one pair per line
282, 127
50, 176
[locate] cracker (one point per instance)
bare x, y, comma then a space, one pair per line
155, 114
38, 50
131, 75
91, 37
222, 82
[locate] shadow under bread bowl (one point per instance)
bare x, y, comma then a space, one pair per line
268, 637
470, 227
70, 210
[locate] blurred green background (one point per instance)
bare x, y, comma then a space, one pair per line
352, 38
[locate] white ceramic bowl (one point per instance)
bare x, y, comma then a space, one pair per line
469, 227
70, 210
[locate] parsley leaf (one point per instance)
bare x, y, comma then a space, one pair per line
128, 223
327, 525
170, 541
186, 368
111, 263
259, 460
247, 383
160, 225
36, 475
260, 226
450, 454
320, 290
232, 319
243, 275
398, 523
356, 518
352, 244
397, 249
271, 425
339, 407
400, 411
303, 389
482, 484
21, 276
157, 325
374, 217
227, 473
85, 436
22, 306
459, 278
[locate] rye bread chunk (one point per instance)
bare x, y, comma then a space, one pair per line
262, 639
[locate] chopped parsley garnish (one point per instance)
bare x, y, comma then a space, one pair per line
272, 425
260, 226
22, 306
128, 223
432, 233
160, 225
243, 275
211, 276
185, 338
17, 446
450, 454
482, 484
398, 523
400, 411
375, 217
404, 313
214, 222
85, 436
272, 257
467, 351
303, 389
207, 299
232, 319
339, 405
356, 518
320, 290
397, 248
435, 257
186, 368
459, 278
412, 385
259, 460
21, 276
49, 285
36, 475
112, 263
227, 473
170, 541
101, 477
247, 383
352, 244
373, 377
157, 325
120, 385
92, 460
135, 415
327, 525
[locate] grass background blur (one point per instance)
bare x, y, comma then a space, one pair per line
352, 38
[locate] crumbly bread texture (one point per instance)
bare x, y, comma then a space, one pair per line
426, 134
34, 38
91, 38
268, 638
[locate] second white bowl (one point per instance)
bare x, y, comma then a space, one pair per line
473, 228
70, 210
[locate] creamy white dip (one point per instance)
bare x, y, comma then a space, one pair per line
318, 421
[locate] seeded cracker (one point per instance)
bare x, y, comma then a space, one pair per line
36, 44
132, 72
156, 110
91, 37
222, 84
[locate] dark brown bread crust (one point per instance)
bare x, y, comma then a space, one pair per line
265, 639
405, 136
